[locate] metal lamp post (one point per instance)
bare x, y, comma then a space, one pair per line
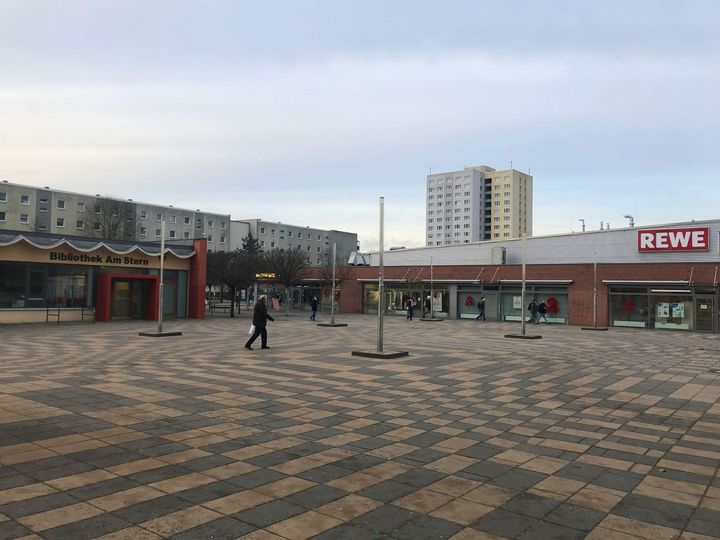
332, 293
162, 265
522, 288
381, 284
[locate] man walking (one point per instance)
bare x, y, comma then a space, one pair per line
260, 319
533, 309
481, 309
314, 307
542, 312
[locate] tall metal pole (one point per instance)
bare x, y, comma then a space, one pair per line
381, 284
522, 290
162, 264
332, 301
595, 291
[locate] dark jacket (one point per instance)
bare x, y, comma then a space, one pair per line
260, 315
314, 304
542, 308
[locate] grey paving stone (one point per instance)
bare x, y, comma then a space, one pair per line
504, 523
226, 528
575, 517
269, 513
426, 527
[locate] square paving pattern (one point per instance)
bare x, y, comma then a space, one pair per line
104, 434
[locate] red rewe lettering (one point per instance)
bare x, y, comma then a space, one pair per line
682, 239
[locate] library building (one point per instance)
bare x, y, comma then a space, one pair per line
49, 278
657, 277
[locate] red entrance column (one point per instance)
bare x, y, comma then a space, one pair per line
197, 280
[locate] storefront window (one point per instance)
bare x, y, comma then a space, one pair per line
629, 310
555, 301
512, 304
467, 300
672, 312
12, 286
370, 299
68, 286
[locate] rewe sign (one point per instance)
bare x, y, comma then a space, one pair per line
688, 239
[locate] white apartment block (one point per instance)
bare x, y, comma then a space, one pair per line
45, 210
317, 243
477, 203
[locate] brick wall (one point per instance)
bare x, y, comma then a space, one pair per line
580, 291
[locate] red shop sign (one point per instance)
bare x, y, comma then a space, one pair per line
687, 239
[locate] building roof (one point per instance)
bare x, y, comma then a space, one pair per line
86, 245
607, 246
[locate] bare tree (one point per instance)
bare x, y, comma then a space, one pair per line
113, 220
289, 267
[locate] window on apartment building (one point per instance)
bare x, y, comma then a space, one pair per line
431, 197
438, 204
430, 220
143, 231
158, 232
506, 218
61, 204
114, 211
506, 226
290, 234
211, 224
466, 226
466, 210
506, 210
79, 224
96, 226
60, 222
496, 219
172, 234
438, 243
439, 227
497, 203
506, 194
430, 190
25, 199
222, 238
262, 230
173, 219
506, 202
43, 208
186, 219
24, 218
81, 207
465, 218
506, 235
158, 216
210, 237
222, 225
186, 235
308, 248
3, 196
2, 216
272, 232
262, 243
457, 226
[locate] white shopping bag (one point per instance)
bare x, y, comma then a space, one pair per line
252, 329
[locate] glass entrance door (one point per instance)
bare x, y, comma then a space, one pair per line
704, 313
120, 305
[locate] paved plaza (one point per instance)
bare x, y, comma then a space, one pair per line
604, 435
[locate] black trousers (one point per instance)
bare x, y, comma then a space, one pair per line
262, 332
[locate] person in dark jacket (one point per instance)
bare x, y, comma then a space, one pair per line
481, 309
410, 309
260, 319
542, 312
313, 306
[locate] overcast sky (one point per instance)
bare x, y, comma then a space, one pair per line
306, 112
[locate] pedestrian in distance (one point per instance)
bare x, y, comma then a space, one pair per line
533, 309
481, 309
427, 307
542, 312
410, 309
314, 307
260, 319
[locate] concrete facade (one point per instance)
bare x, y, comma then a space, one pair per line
317, 243
477, 203
31, 209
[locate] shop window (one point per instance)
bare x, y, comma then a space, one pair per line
672, 312
67, 286
629, 309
